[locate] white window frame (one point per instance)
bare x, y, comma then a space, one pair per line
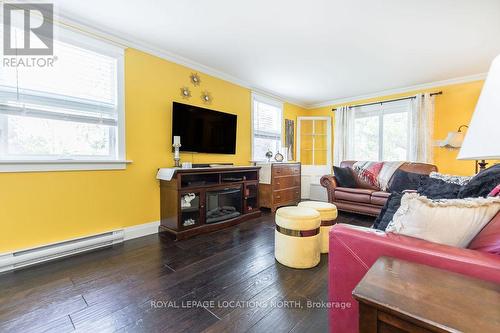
379, 110
271, 101
43, 163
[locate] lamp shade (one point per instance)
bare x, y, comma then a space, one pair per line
481, 141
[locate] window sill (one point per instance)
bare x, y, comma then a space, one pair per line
61, 165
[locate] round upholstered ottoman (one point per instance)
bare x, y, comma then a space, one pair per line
328, 214
296, 238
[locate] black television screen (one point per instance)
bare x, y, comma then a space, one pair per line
203, 130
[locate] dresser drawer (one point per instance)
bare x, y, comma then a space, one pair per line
281, 183
286, 170
283, 196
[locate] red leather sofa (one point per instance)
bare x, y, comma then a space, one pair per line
363, 199
353, 250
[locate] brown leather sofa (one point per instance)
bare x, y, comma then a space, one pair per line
365, 200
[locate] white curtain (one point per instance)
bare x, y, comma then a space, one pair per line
422, 129
343, 135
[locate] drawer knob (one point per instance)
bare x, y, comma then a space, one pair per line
278, 197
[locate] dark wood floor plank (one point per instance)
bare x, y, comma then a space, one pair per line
112, 289
174, 285
36, 319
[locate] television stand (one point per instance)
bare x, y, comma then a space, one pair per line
202, 200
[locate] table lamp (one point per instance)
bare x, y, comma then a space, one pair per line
481, 141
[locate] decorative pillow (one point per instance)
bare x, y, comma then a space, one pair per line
386, 214
453, 179
402, 181
345, 177
368, 173
453, 222
488, 239
434, 188
482, 183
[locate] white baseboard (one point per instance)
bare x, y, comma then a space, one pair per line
141, 230
31, 256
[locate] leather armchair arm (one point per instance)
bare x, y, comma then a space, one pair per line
330, 183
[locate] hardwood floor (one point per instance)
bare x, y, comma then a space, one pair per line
225, 281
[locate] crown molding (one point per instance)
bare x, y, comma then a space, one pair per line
76, 23
128, 42
436, 84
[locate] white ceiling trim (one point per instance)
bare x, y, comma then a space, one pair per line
98, 32
436, 84
127, 41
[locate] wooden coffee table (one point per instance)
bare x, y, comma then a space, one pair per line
400, 296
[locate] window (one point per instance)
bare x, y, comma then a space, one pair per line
267, 121
382, 132
70, 111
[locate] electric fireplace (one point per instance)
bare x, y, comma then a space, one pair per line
223, 204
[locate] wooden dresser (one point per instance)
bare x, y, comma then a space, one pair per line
279, 185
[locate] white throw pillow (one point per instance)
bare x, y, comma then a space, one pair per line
453, 222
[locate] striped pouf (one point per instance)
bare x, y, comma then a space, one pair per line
297, 239
328, 214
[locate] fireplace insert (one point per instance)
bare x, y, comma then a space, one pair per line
223, 204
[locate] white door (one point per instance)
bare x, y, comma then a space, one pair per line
314, 150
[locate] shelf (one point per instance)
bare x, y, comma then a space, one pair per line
190, 209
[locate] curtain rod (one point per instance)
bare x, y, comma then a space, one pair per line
390, 100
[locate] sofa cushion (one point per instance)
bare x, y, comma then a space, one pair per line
482, 183
379, 198
381, 194
488, 240
353, 194
345, 177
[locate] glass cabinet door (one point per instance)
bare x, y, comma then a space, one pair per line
191, 206
251, 197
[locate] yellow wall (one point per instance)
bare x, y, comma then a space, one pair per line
453, 108
46, 207
291, 111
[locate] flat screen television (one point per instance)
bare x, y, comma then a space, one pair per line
203, 130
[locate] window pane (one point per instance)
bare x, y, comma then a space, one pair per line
77, 73
366, 141
267, 118
57, 138
262, 145
395, 135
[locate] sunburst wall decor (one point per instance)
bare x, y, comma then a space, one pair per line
206, 97
185, 92
195, 79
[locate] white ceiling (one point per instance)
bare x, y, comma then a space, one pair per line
310, 51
